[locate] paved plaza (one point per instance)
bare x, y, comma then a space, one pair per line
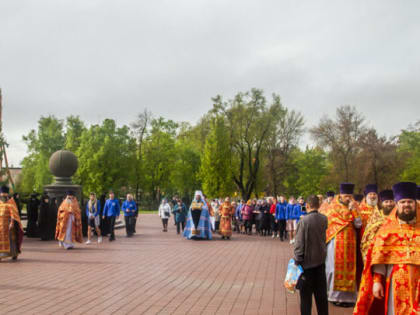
151, 273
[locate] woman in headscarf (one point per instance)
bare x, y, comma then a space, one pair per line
215, 205
247, 212
257, 216
198, 221
227, 210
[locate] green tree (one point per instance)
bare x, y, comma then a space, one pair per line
159, 156
249, 120
74, 130
311, 169
184, 174
106, 158
41, 144
215, 171
409, 149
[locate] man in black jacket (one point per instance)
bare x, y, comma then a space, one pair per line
310, 252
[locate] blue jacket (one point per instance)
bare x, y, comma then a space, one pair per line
112, 208
281, 211
128, 207
303, 213
180, 212
96, 208
296, 212
289, 211
238, 212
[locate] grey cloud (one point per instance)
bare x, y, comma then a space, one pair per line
101, 59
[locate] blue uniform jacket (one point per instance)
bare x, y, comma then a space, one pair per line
281, 211
112, 208
303, 211
289, 211
96, 208
297, 211
128, 207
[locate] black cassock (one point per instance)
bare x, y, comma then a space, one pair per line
52, 219
18, 203
32, 210
47, 218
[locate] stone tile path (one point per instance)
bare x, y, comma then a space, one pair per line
151, 273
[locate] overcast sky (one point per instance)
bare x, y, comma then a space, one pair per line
111, 59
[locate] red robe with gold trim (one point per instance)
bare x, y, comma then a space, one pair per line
366, 212
8, 212
340, 227
395, 244
226, 212
64, 212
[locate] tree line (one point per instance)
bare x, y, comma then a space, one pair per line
247, 146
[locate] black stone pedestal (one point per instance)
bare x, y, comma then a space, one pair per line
63, 165
59, 193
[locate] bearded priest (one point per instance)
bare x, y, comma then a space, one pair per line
343, 220
391, 278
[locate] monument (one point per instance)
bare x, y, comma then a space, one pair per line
63, 165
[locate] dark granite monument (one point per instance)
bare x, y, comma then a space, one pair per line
63, 165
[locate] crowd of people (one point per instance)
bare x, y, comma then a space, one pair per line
362, 254
355, 252
273, 217
49, 220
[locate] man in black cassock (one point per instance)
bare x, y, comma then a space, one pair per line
32, 210
44, 221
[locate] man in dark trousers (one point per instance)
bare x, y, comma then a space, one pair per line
111, 213
311, 252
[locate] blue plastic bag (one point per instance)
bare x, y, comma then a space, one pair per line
292, 276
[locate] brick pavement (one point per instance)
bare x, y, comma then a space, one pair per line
151, 273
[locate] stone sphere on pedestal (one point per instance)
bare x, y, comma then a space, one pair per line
63, 164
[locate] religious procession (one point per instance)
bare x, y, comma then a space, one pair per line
358, 251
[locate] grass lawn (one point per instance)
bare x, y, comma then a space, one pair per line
148, 212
